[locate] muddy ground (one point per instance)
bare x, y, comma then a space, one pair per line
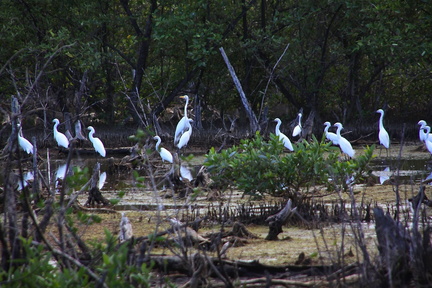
321, 243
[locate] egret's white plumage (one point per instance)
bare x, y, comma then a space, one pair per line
97, 143
330, 135
383, 135
164, 153
298, 128
24, 143
423, 135
182, 125
282, 137
344, 144
428, 141
185, 137
61, 138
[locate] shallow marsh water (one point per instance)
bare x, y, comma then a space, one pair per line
149, 211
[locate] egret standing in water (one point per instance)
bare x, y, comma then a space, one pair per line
282, 137
61, 138
164, 153
182, 125
97, 143
185, 137
383, 135
344, 144
298, 128
24, 143
330, 135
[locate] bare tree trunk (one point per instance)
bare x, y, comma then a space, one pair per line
143, 53
252, 118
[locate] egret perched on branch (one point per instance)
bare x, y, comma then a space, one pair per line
383, 135
24, 143
298, 129
330, 135
60, 137
164, 153
97, 143
185, 137
344, 144
182, 125
282, 137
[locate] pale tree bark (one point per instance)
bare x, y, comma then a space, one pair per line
252, 118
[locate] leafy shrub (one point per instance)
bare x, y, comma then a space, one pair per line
261, 167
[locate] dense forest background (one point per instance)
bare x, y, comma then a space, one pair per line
126, 61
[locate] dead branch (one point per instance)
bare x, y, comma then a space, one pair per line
277, 220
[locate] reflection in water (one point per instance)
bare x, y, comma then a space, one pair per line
385, 176
27, 177
102, 179
60, 174
185, 173
428, 179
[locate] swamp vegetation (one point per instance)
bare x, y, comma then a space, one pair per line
346, 228
207, 221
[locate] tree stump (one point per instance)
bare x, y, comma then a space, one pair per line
95, 196
276, 221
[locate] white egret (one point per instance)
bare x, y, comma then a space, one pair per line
344, 144
383, 135
60, 137
297, 129
428, 141
97, 143
24, 143
164, 153
182, 125
330, 135
422, 135
282, 137
185, 137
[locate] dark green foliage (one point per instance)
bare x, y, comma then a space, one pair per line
261, 167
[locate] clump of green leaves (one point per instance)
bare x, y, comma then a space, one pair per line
261, 167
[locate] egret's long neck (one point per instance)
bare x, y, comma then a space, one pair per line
55, 127
157, 144
338, 131
277, 127
186, 105
326, 128
381, 126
